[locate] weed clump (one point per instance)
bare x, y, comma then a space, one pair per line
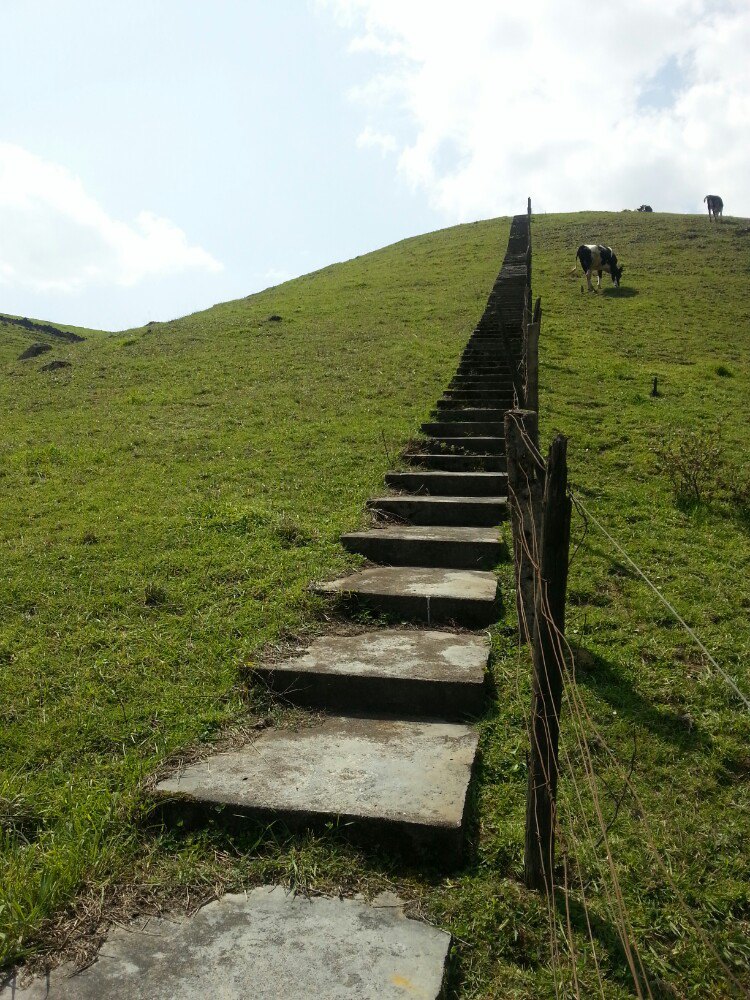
154, 596
692, 461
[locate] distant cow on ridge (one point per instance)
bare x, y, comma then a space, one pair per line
715, 206
595, 257
645, 208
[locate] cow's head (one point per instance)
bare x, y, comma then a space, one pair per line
617, 274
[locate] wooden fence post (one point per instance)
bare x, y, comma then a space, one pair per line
528, 206
525, 486
548, 659
531, 346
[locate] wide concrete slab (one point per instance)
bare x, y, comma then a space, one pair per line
266, 945
449, 462
474, 445
458, 511
425, 672
383, 775
436, 483
449, 547
417, 593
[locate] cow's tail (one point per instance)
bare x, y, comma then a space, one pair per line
706, 198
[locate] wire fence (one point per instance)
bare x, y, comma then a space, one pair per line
586, 856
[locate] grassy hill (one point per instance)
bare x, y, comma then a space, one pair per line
166, 500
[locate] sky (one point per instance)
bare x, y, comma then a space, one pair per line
159, 156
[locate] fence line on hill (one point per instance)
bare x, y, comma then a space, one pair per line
541, 509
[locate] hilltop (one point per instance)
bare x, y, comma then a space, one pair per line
167, 498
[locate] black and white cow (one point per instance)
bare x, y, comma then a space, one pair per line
715, 206
645, 208
595, 257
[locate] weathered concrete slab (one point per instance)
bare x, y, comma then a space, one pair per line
425, 672
266, 945
461, 428
415, 593
392, 776
482, 397
458, 411
475, 512
453, 462
478, 484
474, 445
429, 546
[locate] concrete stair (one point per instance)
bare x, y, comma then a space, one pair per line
456, 462
444, 546
411, 672
456, 411
265, 944
465, 428
470, 445
434, 510
430, 595
480, 397
374, 777
467, 484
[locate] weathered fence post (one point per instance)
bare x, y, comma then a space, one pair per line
548, 659
525, 487
531, 345
528, 206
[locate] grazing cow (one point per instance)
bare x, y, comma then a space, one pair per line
715, 206
595, 257
645, 208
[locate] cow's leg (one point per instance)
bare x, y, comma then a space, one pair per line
588, 280
598, 279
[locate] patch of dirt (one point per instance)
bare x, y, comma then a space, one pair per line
54, 365
53, 331
34, 351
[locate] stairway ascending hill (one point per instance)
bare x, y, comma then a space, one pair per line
392, 760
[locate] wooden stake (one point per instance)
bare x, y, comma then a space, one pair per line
525, 488
548, 659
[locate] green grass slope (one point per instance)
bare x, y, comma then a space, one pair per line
166, 500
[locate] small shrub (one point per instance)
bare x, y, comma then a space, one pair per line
693, 462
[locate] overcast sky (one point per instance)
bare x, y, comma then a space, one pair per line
157, 156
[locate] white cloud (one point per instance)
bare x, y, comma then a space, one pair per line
54, 237
370, 138
499, 103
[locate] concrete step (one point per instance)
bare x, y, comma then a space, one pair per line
453, 462
469, 511
478, 368
409, 672
466, 598
375, 779
481, 397
457, 410
467, 484
265, 943
482, 382
442, 546
467, 445
464, 428
492, 360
